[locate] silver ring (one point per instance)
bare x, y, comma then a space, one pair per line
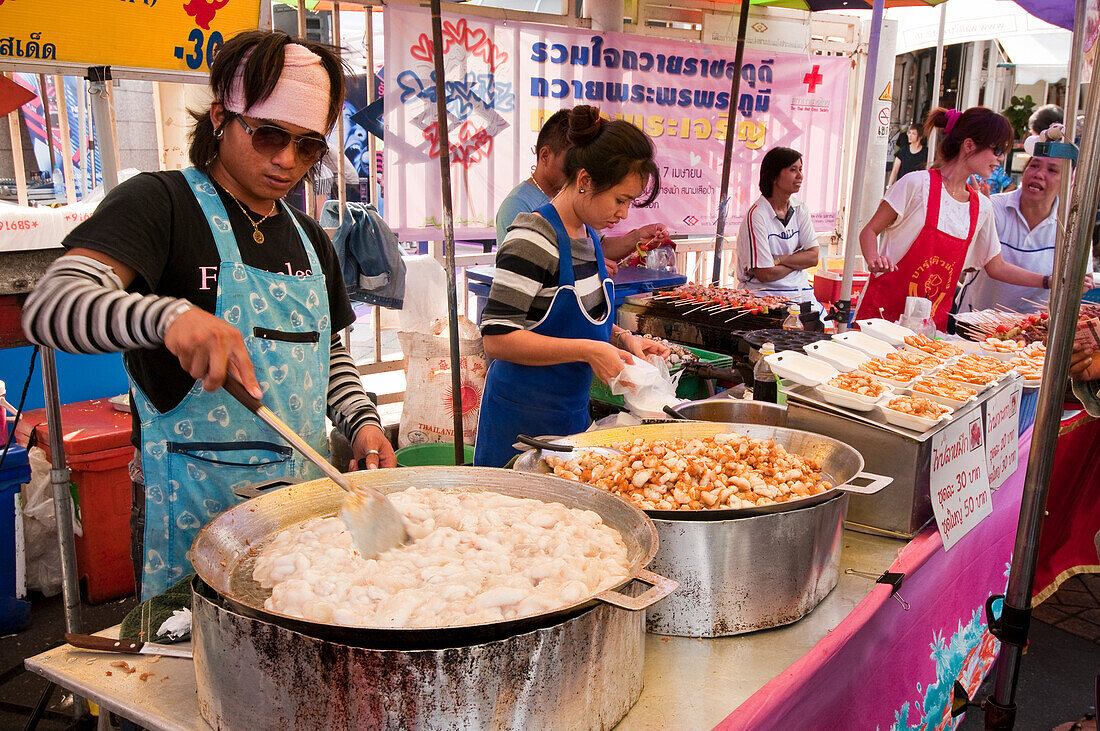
372, 451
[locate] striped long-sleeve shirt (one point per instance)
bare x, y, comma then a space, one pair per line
526, 277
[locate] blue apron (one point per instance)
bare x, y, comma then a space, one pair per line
196, 454
544, 400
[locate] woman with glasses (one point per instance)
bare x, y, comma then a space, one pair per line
549, 320
204, 273
934, 226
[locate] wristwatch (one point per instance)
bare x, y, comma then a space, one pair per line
1046, 281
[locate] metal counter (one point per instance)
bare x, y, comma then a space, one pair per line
902, 508
689, 683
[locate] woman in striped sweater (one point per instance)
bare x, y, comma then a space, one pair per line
548, 323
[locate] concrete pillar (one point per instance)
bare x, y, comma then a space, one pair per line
973, 72
606, 15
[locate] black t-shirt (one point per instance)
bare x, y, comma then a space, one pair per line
910, 161
154, 224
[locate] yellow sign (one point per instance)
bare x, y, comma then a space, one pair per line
178, 35
885, 95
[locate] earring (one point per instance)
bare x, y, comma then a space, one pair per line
580, 190
219, 132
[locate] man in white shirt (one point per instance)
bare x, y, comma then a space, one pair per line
1027, 225
776, 243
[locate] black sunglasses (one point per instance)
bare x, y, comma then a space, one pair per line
268, 139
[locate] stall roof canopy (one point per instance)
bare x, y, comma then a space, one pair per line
1038, 57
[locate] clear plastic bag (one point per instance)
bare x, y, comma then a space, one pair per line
647, 387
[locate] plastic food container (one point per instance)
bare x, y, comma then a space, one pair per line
908, 421
979, 387
839, 356
890, 381
953, 404
885, 330
801, 369
986, 349
848, 399
865, 343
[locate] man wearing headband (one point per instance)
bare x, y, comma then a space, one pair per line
205, 273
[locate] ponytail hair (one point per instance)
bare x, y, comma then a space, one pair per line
609, 152
984, 126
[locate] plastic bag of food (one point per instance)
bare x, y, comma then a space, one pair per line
427, 414
647, 387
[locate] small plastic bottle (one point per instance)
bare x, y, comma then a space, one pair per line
794, 319
764, 386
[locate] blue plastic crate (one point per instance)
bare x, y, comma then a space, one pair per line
15, 614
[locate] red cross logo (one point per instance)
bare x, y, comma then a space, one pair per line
812, 79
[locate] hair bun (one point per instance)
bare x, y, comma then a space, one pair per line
584, 125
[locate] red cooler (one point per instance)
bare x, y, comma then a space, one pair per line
98, 451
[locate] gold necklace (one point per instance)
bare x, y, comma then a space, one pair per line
257, 235
532, 179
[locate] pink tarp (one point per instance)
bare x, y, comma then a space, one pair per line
892, 663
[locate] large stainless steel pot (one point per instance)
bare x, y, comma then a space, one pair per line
735, 411
582, 673
841, 464
224, 551
747, 569
747, 574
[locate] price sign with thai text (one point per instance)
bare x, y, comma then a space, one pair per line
959, 482
1002, 441
177, 35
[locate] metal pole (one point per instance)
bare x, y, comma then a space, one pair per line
1000, 708
99, 77
62, 503
448, 227
937, 82
859, 172
727, 157
1073, 92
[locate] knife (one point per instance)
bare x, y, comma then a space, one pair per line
107, 644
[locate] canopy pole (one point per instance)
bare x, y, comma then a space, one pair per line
448, 228
731, 125
1000, 708
851, 240
62, 505
1073, 93
937, 83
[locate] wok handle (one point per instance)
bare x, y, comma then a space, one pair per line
543, 444
659, 588
876, 483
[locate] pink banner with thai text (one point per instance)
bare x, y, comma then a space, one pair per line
504, 78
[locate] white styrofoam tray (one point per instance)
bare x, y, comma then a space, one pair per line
951, 403
885, 330
839, 356
802, 369
865, 343
848, 399
908, 421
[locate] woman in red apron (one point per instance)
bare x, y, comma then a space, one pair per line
934, 226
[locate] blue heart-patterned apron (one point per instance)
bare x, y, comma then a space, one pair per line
195, 455
544, 400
